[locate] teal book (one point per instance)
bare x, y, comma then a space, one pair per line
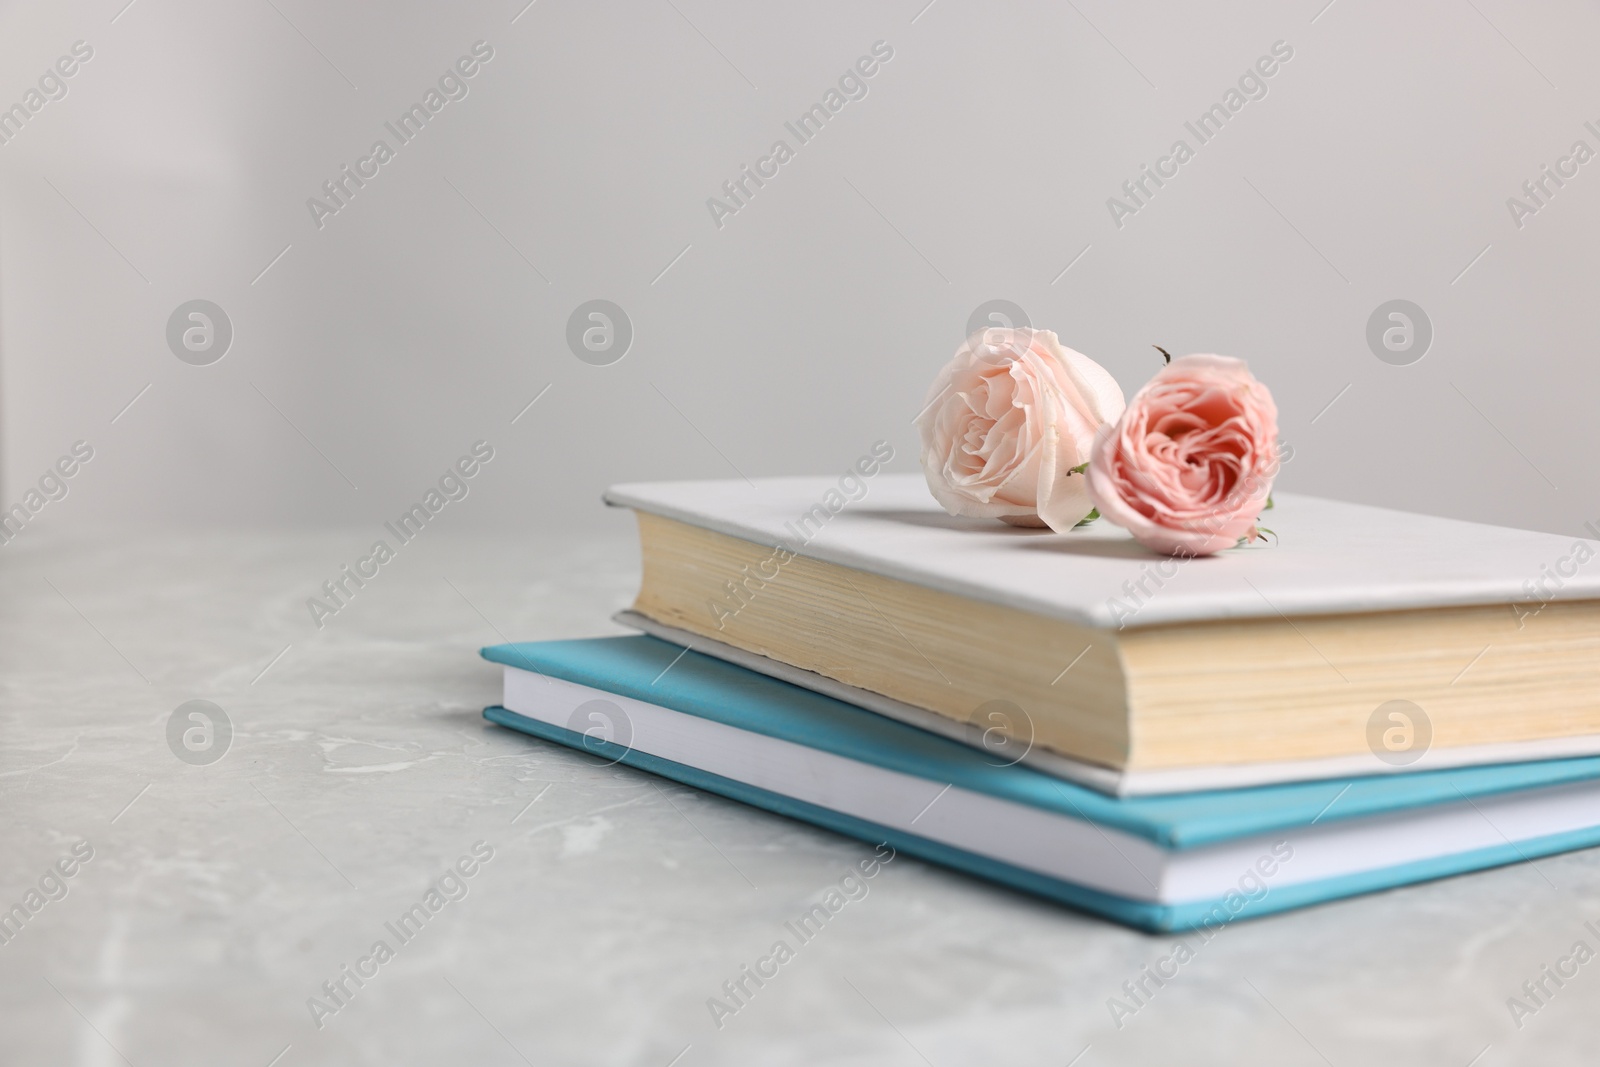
1170, 862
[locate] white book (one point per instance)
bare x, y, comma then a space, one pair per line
1130, 671
1329, 557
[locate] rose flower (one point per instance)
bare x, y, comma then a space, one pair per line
1007, 420
1189, 466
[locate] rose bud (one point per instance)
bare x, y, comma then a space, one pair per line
1007, 420
1189, 466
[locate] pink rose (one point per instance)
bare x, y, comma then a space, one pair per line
1006, 421
1189, 467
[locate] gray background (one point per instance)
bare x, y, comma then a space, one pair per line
977, 167
369, 355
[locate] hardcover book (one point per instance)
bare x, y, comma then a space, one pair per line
1159, 863
1360, 641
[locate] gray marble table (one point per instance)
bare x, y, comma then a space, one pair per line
221, 897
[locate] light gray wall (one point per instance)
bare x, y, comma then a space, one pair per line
430, 310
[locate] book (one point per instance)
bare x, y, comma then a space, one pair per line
1176, 862
1361, 641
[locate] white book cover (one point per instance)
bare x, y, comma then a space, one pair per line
1327, 557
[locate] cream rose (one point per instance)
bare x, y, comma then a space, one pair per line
1189, 466
1005, 423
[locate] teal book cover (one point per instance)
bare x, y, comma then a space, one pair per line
656, 672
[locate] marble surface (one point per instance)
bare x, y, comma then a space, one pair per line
220, 897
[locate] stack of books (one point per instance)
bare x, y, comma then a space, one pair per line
1375, 698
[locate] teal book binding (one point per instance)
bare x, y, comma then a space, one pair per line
653, 671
